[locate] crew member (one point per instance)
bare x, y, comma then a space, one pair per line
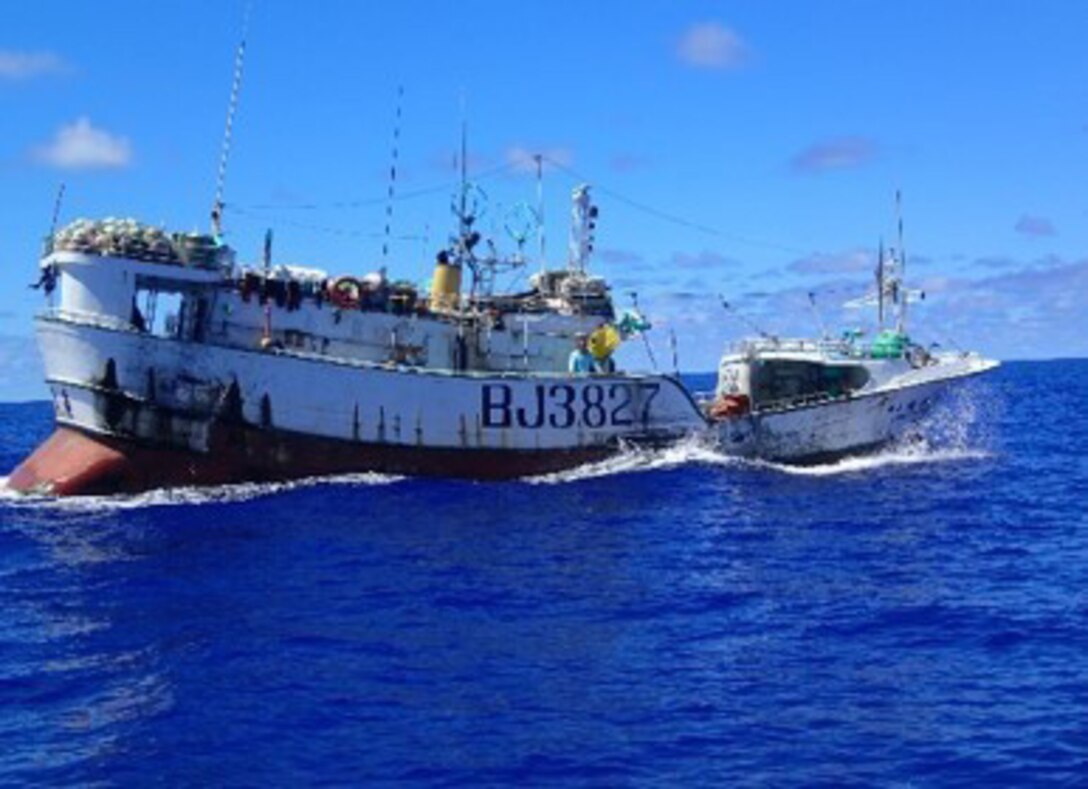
581, 360
605, 365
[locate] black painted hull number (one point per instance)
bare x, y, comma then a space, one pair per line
563, 406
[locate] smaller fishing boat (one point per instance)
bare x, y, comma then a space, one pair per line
816, 400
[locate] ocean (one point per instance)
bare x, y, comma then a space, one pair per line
674, 618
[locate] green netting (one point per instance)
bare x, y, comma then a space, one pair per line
889, 345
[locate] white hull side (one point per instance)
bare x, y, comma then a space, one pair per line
840, 426
167, 391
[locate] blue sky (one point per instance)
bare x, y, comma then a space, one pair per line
778, 132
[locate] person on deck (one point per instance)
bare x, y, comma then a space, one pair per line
581, 360
605, 366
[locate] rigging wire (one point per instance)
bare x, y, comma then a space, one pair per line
372, 201
671, 218
248, 215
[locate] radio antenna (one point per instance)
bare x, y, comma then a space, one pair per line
232, 106
56, 215
901, 274
266, 260
539, 158
392, 175
880, 283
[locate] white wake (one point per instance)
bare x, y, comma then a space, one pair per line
165, 497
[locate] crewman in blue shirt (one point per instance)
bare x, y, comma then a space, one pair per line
581, 361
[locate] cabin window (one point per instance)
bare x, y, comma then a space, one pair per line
165, 312
789, 381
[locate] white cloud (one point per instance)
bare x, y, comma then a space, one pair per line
80, 146
26, 65
712, 45
835, 154
1036, 226
707, 259
523, 159
839, 263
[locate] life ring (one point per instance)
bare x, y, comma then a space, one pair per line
346, 292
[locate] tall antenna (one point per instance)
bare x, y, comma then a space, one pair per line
266, 259
901, 274
463, 213
56, 215
880, 283
392, 175
232, 106
539, 159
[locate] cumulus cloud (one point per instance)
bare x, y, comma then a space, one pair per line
1035, 226
711, 45
27, 65
837, 154
620, 257
523, 159
702, 260
81, 146
836, 263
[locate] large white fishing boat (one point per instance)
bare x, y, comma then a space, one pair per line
170, 364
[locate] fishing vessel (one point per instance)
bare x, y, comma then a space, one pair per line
813, 400
171, 364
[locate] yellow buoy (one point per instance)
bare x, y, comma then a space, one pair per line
603, 341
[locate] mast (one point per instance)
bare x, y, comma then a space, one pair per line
583, 223
539, 158
266, 338
392, 176
880, 284
232, 106
901, 273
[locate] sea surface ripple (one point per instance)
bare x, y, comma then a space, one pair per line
670, 618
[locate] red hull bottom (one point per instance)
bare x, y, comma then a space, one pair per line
70, 462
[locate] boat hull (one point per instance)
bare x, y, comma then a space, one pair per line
830, 429
71, 462
136, 412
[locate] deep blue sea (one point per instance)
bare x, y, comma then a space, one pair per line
669, 619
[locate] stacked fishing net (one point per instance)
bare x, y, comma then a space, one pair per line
128, 238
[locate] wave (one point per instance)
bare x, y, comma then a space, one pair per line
954, 432
695, 453
166, 497
860, 464
632, 459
